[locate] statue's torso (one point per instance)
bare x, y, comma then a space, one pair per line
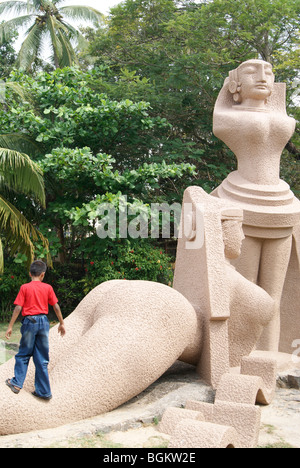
257, 139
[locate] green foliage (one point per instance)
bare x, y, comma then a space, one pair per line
122, 260
10, 282
65, 280
186, 53
83, 174
67, 111
290, 171
62, 113
136, 120
127, 261
7, 54
19, 174
83, 182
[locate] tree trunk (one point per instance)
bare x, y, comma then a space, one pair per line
293, 150
62, 253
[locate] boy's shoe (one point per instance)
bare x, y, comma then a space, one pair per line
12, 387
41, 397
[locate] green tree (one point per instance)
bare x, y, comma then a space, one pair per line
186, 50
79, 183
66, 108
45, 19
19, 174
7, 55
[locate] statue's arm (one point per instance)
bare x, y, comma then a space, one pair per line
224, 122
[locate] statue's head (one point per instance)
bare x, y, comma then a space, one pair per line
252, 81
233, 235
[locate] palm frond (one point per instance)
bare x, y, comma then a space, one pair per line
1, 258
21, 143
38, 4
79, 12
19, 90
74, 34
68, 57
15, 23
30, 47
55, 43
17, 7
69, 30
16, 229
21, 174
19, 232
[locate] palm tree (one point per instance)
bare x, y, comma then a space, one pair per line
45, 19
18, 173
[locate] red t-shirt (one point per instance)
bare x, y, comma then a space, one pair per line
34, 298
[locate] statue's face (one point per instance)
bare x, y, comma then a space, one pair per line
233, 236
256, 79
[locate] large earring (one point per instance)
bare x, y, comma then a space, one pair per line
233, 86
235, 89
236, 96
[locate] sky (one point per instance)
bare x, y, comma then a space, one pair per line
101, 5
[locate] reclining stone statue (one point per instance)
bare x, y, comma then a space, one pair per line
233, 263
125, 334
250, 117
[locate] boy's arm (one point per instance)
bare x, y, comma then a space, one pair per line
61, 328
15, 315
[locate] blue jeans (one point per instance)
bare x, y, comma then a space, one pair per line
34, 343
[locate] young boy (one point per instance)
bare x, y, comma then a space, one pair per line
33, 300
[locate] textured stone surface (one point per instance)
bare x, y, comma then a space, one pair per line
250, 117
195, 434
121, 338
174, 388
173, 416
245, 419
231, 309
280, 420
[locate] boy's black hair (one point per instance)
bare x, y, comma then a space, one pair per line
37, 268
